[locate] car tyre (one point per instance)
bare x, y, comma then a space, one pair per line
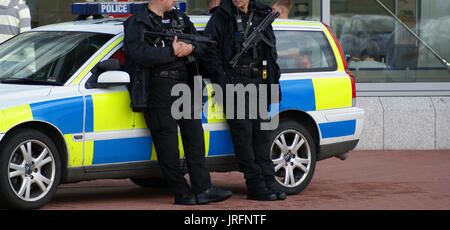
294, 155
30, 170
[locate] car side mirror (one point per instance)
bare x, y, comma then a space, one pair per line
105, 65
111, 79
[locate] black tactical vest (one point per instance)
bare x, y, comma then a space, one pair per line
245, 24
172, 22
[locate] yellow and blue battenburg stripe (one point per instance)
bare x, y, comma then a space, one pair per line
320, 94
67, 114
14, 116
316, 94
338, 129
69, 117
122, 150
219, 141
99, 119
107, 117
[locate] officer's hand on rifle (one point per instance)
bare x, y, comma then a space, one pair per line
181, 49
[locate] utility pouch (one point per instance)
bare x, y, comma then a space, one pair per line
139, 86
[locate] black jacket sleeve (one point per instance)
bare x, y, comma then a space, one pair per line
190, 29
274, 68
213, 58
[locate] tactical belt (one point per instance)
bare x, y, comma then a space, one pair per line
173, 74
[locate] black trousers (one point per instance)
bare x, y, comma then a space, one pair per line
252, 146
164, 131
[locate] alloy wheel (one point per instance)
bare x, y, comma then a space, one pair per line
291, 156
31, 170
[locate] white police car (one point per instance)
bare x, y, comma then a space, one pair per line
65, 111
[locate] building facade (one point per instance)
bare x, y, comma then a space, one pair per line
395, 48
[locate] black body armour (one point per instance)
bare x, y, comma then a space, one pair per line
173, 23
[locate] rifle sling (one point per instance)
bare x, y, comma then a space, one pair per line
249, 22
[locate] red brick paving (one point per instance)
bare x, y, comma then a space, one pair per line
367, 180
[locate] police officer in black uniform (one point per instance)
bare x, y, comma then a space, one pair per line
165, 62
231, 23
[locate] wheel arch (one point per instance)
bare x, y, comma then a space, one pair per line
53, 133
306, 120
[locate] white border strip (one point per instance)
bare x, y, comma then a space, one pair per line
134, 133
208, 127
116, 134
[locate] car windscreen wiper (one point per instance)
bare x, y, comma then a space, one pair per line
28, 81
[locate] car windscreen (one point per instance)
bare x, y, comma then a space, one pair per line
48, 58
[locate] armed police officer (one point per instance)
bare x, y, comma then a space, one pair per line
156, 64
229, 63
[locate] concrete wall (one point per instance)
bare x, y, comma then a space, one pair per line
405, 123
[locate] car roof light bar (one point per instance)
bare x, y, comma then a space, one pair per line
118, 8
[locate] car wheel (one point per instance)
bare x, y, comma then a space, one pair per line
29, 170
293, 154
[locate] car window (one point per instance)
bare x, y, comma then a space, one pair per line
304, 51
47, 57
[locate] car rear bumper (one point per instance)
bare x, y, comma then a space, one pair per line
338, 125
339, 130
336, 150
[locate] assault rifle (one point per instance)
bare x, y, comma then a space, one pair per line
255, 37
187, 38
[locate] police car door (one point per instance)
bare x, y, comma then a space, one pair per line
110, 134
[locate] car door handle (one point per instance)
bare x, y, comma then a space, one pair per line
78, 137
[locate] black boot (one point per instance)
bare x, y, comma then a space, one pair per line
184, 199
213, 195
281, 195
261, 196
271, 186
